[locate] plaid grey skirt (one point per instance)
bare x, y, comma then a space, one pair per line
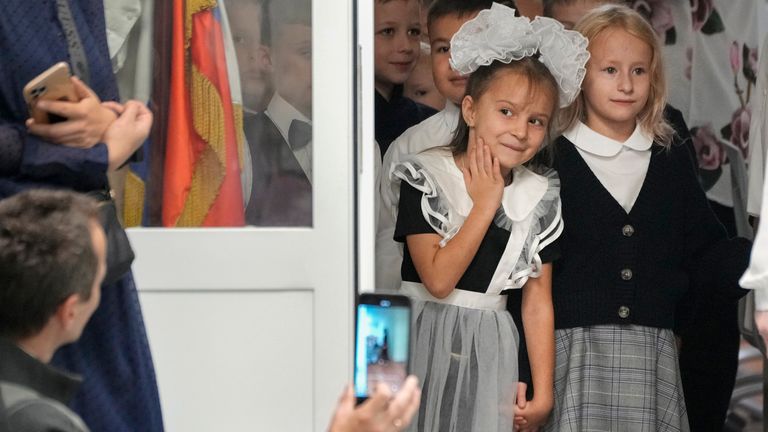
617, 378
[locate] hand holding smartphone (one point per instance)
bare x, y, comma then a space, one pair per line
382, 342
53, 84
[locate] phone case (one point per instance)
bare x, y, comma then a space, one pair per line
53, 84
382, 342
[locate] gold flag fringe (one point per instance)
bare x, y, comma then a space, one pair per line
210, 169
133, 200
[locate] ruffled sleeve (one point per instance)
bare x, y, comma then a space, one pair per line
435, 211
546, 227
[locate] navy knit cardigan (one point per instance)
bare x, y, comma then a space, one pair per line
637, 268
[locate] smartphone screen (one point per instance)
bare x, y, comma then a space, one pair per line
382, 342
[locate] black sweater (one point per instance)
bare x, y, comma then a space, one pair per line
395, 115
636, 268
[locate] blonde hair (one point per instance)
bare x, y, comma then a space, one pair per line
651, 118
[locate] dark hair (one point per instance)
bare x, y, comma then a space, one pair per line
539, 79
46, 255
461, 8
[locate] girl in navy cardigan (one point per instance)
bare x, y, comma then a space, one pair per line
638, 236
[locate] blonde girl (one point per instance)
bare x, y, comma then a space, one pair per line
638, 233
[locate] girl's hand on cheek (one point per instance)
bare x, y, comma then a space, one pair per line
482, 175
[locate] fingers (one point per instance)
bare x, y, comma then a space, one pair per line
56, 131
379, 400
61, 108
81, 90
406, 402
347, 398
522, 388
115, 107
487, 160
70, 110
496, 169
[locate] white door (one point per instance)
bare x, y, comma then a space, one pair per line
251, 328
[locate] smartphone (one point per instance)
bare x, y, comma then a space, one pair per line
382, 342
53, 84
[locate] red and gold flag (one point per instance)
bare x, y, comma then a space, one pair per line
201, 182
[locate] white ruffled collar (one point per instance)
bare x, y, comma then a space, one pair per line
586, 139
520, 197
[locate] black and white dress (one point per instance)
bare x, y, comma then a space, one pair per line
465, 346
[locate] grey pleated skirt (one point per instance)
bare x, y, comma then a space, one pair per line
617, 378
466, 360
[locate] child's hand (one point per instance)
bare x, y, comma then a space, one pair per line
482, 175
532, 415
86, 120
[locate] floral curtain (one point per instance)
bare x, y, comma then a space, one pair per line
710, 51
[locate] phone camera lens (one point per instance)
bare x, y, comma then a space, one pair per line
385, 303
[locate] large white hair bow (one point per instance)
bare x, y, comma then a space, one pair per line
497, 34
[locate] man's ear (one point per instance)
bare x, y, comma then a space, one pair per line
67, 311
468, 110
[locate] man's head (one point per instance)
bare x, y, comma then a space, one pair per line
569, 12
247, 19
52, 262
290, 51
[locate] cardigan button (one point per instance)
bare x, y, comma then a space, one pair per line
626, 274
623, 312
628, 230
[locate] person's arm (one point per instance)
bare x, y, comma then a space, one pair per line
81, 164
380, 413
43, 162
524, 387
440, 268
539, 319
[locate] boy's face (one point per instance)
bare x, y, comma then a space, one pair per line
449, 83
253, 63
291, 55
569, 14
396, 41
420, 86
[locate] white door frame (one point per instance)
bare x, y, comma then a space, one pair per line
318, 264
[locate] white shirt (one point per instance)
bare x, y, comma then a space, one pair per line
282, 114
758, 137
756, 276
432, 132
620, 167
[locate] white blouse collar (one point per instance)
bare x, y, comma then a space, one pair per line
524, 193
586, 139
520, 197
282, 114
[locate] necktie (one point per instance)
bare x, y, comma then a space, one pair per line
299, 134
